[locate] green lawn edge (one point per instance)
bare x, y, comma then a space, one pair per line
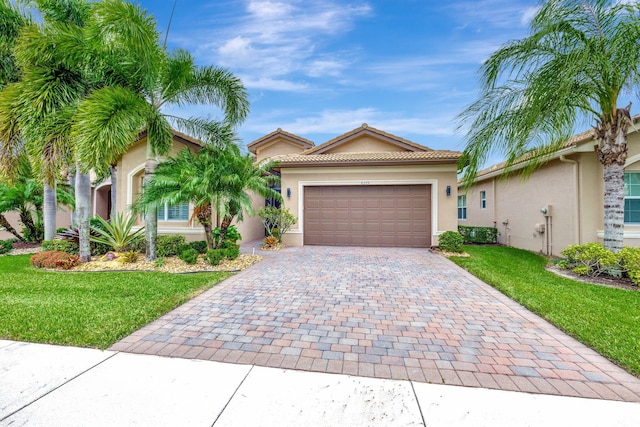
603, 318
88, 309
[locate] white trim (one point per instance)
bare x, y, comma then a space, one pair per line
130, 175
95, 195
631, 160
628, 234
365, 169
368, 182
176, 230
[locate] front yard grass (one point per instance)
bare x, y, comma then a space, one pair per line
606, 319
87, 309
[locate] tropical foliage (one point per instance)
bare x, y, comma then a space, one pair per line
276, 221
216, 180
26, 197
117, 233
112, 117
580, 60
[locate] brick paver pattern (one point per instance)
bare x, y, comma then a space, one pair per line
380, 312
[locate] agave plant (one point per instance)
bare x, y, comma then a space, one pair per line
117, 232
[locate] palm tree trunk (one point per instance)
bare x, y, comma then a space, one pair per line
72, 183
151, 215
30, 230
5, 223
114, 186
49, 210
224, 226
83, 209
612, 152
204, 215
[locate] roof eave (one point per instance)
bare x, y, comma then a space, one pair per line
451, 161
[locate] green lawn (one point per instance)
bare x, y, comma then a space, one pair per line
606, 319
87, 309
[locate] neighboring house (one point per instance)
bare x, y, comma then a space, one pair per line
560, 204
363, 188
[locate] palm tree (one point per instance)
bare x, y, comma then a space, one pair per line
26, 197
580, 58
111, 118
38, 88
239, 175
215, 176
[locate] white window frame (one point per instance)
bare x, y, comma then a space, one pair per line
626, 197
166, 218
463, 198
483, 200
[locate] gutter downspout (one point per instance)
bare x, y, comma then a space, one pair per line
576, 208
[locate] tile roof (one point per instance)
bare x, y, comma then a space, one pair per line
435, 156
573, 142
279, 132
365, 128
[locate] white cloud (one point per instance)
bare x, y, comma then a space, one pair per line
268, 83
339, 121
275, 40
528, 15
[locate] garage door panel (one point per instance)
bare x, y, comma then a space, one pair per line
389, 215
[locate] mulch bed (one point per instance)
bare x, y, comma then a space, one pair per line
612, 282
21, 245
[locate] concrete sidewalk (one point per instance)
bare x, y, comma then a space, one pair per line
52, 385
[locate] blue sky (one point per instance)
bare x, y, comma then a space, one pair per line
321, 68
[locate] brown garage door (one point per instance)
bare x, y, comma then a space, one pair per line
368, 215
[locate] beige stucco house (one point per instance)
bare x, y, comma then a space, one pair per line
560, 204
363, 188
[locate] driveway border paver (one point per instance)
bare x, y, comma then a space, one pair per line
394, 313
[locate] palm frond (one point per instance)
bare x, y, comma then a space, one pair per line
213, 86
577, 61
107, 123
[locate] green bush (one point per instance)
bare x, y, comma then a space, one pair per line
630, 263
232, 236
200, 246
190, 256
451, 241
169, 245
138, 244
60, 245
479, 235
232, 252
215, 256
5, 246
590, 259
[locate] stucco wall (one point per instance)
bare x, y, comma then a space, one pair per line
577, 213
480, 217
63, 220
277, 147
443, 213
363, 144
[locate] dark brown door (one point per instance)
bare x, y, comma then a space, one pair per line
368, 215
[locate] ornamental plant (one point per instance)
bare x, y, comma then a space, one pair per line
277, 221
117, 233
451, 241
54, 259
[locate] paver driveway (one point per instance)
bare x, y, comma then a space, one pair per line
380, 312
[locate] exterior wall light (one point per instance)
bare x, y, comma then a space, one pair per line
448, 191
288, 193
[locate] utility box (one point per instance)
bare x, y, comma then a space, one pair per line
540, 228
546, 210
